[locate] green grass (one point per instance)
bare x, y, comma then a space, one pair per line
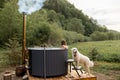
105, 47
108, 50
99, 65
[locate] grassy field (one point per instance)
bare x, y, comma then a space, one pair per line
107, 66
108, 50
104, 47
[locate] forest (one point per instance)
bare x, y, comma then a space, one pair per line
57, 20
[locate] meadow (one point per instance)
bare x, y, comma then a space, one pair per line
107, 50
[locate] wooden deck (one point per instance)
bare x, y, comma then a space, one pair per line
70, 76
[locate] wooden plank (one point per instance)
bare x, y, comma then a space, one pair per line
70, 76
62, 78
90, 78
83, 76
54, 78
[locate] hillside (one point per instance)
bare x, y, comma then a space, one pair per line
57, 20
74, 19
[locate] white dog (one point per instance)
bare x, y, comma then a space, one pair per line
80, 58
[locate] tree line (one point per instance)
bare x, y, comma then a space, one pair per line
57, 20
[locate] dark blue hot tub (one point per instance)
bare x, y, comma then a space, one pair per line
48, 62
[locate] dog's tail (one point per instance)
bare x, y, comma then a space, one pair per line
91, 64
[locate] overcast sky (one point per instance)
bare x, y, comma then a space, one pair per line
106, 12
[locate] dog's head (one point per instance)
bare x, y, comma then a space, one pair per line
74, 51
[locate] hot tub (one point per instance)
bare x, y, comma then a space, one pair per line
47, 62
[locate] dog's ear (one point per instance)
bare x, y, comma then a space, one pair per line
73, 49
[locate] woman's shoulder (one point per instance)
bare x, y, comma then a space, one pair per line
65, 46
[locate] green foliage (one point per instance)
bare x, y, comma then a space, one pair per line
72, 37
107, 66
112, 35
42, 34
9, 22
56, 35
99, 36
52, 16
2, 3
14, 56
115, 57
59, 6
34, 23
75, 25
94, 54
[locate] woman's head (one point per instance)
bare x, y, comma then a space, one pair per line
63, 42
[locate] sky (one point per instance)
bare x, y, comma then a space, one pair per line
106, 12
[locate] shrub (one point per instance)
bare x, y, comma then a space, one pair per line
73, 37
108, 57
113, 58
94, 54
42, 34
99, 36
14, 55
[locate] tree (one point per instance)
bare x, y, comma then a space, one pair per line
42, 34
52, 16
74, 24
99, 36
10, 22
56, 35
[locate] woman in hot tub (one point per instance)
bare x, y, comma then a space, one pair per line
64, 44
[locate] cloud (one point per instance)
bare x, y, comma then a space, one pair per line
29, 6
106, 12
108, 17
